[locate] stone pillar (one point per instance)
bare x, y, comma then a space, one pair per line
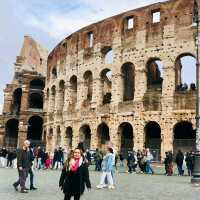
117, 88
138, 134
24, 98
67, 97
140, 82
80, 94
97, 96
22, 133
94, 138
7, 107
168, 86
51, 106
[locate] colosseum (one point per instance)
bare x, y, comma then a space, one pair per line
117, 80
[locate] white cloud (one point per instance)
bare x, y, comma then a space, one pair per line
59, 24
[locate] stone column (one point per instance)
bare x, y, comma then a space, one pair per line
94, 138
25, 97
51, 106
67, 97
80, 94
138, 134
117, 88
7, 102
97, 95
168, 86
22, 133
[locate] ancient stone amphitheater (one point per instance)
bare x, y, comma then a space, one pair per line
120, 80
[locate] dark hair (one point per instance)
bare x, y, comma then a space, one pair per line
110, 150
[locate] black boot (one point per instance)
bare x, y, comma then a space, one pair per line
33, 188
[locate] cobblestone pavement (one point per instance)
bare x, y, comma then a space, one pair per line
128, 186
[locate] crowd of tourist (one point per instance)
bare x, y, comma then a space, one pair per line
138, 162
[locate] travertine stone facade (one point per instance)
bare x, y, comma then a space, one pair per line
119, 80
23, 97
85, 50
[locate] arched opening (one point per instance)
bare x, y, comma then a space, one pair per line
85, 136
88, 83
128, 75
73, 88
58, 138
125, 132
54, 73
109, 56
153, 139
36, 100
184, 137
52, 98
154, 73
37, 84
103, 135
69, 136
16, 103
35, 128
185, 72
62, 94
11, 130
106, 85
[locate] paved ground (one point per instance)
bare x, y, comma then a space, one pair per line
129, 187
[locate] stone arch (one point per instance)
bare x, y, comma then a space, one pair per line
154, 69
128, 76
185, 64
184, 137
152, 132
126, 137
16, 102
103, 135
35, 129
11, 129
88, 84
54, 73
69, 136
107, 53
85, 136
73, 89
106, 85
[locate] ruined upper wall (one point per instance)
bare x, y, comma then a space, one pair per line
175, 21
32, 57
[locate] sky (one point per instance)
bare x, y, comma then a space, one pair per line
48, 22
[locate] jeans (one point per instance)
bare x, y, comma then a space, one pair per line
22, 178
180, 170
148, 167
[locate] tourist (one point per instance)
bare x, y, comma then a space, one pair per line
98, 158
74, 176
22, 166
30, 171
189, 159
107, 167
121, 159
179, 162
130, 162
149, 158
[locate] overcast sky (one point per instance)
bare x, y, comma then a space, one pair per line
48, 22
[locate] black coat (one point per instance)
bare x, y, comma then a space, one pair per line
73, 183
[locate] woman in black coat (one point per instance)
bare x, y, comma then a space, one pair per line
74, 176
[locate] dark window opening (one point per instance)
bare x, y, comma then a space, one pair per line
103, 135
37, 84
128, 75
16, 104
36, 100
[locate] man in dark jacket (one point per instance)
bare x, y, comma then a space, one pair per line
23, 164
179, 162
31, 159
